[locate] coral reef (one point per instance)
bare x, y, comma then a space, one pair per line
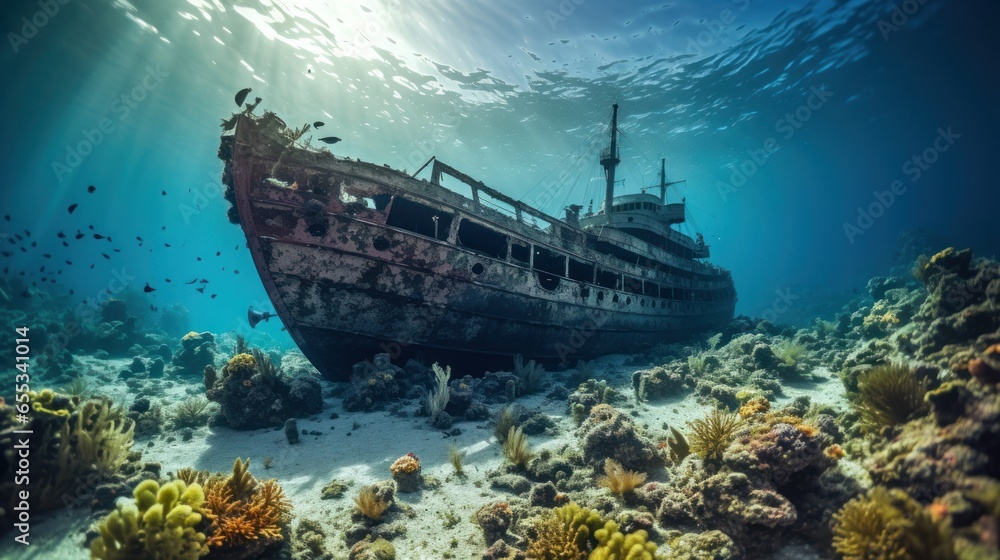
373, 384
161, 523
406, 472
197, 351
254, 394
609, 434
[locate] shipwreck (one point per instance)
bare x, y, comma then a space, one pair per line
359, 258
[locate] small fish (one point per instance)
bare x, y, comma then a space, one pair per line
105, 255
167, 279
98, 236
6, 217
192, 282
18, 236
69, 263
236, 271
203, 281
318, 124
6, 253
213, 296
27, 233
61, 235
71, 292
152, 308
217, 253
166, 245
91, 266
147, 289
90, 227
34, 244
65, 244
91, 188
117, 250
199, 259
79, 235
330, 140
164, 193
46, 255
72, 207
163, 228
241, 96
139, 239
201, 289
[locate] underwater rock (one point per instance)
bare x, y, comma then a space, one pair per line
879, 285
372, 549
590, 394
710, 545
373, 384
406, 473
114, 310
197, 351
174, 320
156, 368
659, 382
543, 495
609, 434
291, 431
253, 394
138, 366
494, 519
500, 550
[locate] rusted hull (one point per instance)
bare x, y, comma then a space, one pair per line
347, 285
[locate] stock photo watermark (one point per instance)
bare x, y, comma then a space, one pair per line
31, 25
913, 168
787, 126
121, 106
900, 15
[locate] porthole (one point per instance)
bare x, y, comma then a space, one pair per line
380, 243
615, 299
478, 268
628, 300
600, 296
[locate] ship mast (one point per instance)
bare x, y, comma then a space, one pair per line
663, 181
610, 160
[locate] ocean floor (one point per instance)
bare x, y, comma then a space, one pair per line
757, 441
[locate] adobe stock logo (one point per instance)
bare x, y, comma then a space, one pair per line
31, 25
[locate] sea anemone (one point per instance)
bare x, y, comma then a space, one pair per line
889, 524
711, 435
618, 479
889, 395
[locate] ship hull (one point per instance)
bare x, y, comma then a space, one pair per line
348, 284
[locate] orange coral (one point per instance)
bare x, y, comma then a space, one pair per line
834, 452
406, 464
242, 510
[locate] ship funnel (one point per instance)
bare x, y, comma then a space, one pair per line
255, 317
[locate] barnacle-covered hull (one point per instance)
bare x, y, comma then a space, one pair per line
355, 265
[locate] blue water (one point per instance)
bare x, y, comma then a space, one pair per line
784, 121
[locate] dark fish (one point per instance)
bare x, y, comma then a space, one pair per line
236, 272
192, 282
18, 236
60, 235
241, 96
91, 188
98, 236
203, 281
90, 227
201, 289
69, 263
164, 193
65, 244
237, 247
6, 217
71, 292
151, 308
318, 124
117, 250
6, 253
139, 239
91, 266
23, 250
105, 255
79, 235
46, 255
34, 244
109, 239
163, 228
147, 289
199, 259
217, 253
168, 280
166, 244
72, 207
213, 296
330, 140
27, 233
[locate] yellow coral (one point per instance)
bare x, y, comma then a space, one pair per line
834, 452
370, 504
191, 335
755, 406
406, 464
241, 362
617, 546
160, 524
565, 535
44, 402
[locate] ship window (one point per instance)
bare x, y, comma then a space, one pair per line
584, 272
418, 218
520, 253
651, 289
628, 300
584, 293
607, 279
600, 296
547, 281
550, 261
633, 285
615, 299
482, 239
